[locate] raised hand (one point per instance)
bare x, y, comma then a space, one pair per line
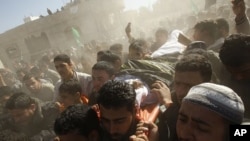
163, 93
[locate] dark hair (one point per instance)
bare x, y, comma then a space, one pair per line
209, 26
196, 47
139, 45
195, 62
117, 94
63, 57
70, 87
236, 50
101, 52
116, 47
79, 119
109, 57
19, 100
106, 66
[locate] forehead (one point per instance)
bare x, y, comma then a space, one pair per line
188, 77
99, 73
60, 63
65, 94
114, 113
195, 111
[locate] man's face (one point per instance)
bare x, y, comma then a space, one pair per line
32, 85
183, 81
67, 99
196, 123
117, 122
99, 77
64, 69
241, 73
22, 117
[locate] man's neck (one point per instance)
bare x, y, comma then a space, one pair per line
69, 77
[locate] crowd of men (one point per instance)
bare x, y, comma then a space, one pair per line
175, 88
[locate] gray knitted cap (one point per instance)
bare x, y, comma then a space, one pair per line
218, 98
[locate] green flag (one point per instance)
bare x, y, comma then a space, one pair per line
194, 7
77, 36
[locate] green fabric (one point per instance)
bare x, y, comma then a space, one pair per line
149, 70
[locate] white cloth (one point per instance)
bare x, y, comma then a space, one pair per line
171, 46
143, 95
216, 45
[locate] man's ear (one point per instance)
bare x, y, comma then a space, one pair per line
93, 136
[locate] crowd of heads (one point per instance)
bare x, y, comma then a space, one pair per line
92, 94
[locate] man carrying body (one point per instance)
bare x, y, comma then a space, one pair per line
117, 105
235, 56
190, 70
207, 111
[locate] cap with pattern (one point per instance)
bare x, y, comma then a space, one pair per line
218, 98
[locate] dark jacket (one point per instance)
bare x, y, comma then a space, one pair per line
167, 121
